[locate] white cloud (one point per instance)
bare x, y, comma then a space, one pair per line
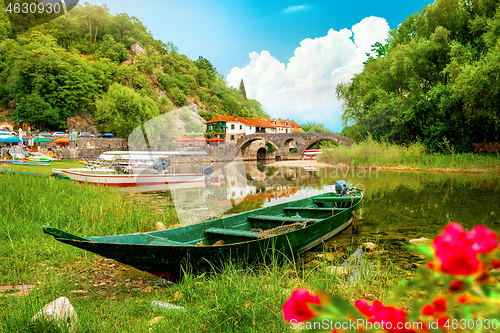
293, 9
304, 89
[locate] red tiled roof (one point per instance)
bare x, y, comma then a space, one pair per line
254, 122
282, 123
221, 118
247, 121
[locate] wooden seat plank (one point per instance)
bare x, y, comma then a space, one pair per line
232, 232
337, 199
311, 209
274, 218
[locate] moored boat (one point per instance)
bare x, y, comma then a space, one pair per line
289, 228
129, 180
39, 158
30, 163
144, 169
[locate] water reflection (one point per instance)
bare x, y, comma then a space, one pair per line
397, 206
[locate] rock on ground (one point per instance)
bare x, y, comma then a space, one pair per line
160, 226
60, 311
420, 240
369, 246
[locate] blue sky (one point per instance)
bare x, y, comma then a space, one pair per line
256, 40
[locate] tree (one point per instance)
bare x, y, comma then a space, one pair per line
242, 89
112, 50
435, 79
311, 127
35, 110
121, 110
177, 96
203, 63
123, 24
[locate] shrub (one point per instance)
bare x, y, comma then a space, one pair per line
177, 96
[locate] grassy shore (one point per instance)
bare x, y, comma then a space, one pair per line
382, 154
110, 297
45, 169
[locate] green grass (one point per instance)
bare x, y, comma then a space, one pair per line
28, 202
113, 298
374, 153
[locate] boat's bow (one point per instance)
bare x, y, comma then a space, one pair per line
61, 234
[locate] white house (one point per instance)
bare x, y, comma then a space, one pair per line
231, 128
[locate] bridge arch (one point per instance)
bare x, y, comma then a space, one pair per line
311, 144
259, 154
281, 142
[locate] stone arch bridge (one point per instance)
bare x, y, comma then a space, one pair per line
283, 142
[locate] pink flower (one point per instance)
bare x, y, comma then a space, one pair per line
428, 310
456, 286
456, 249
296, 306
388, 316
439, 306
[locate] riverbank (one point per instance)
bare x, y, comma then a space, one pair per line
414, 157
110, 297
300, 163
316, 164
44, 169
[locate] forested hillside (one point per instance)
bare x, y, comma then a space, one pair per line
88, 60
436, 80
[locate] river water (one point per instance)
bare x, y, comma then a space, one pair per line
397, 206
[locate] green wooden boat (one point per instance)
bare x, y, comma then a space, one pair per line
289, 228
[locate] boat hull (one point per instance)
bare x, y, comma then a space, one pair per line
133, 180
30, 163
169, 252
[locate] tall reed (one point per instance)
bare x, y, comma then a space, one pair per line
374, 153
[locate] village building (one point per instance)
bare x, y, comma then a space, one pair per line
7, 125
285, 125
229, 128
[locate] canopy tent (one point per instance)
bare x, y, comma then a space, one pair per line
10, 139
41, 139
64, 139
200, 139
214, 139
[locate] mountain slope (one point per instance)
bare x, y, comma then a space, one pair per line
64, 68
